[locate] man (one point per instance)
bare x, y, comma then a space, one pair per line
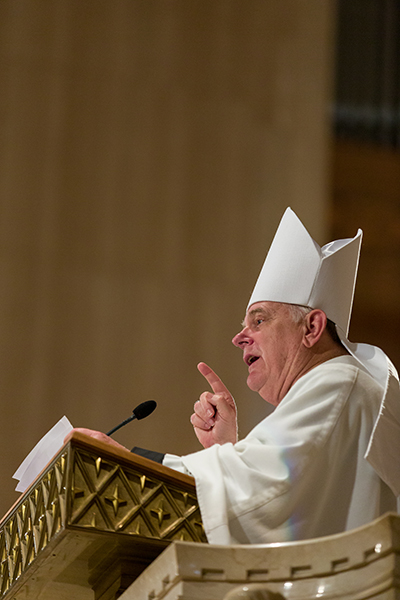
279, 346
302, 472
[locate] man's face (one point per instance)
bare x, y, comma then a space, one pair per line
272, 345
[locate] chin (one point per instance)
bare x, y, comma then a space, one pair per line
253, 384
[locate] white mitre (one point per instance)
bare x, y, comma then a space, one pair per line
298, 271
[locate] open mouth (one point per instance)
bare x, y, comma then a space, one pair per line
251, 359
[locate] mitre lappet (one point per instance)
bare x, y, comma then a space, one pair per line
298, 271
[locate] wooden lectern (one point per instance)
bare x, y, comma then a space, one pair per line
92, 522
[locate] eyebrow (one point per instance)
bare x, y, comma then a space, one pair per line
256, 311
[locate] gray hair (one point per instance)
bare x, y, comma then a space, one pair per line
298, 312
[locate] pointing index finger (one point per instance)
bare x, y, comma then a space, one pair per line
215, 382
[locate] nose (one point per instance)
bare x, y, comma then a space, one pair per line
242, 338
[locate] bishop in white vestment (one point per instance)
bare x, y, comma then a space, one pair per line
328, 458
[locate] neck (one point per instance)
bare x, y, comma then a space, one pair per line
319, 355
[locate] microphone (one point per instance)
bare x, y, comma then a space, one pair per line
140, 412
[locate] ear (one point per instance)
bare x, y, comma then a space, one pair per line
314, 326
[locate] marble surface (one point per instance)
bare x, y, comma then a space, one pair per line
359, 564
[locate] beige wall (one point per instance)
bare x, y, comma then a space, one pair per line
366, 194
147, 152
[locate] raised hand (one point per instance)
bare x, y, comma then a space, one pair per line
214, 418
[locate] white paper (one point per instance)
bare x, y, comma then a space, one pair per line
41, 454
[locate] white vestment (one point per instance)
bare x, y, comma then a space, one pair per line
301, 472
